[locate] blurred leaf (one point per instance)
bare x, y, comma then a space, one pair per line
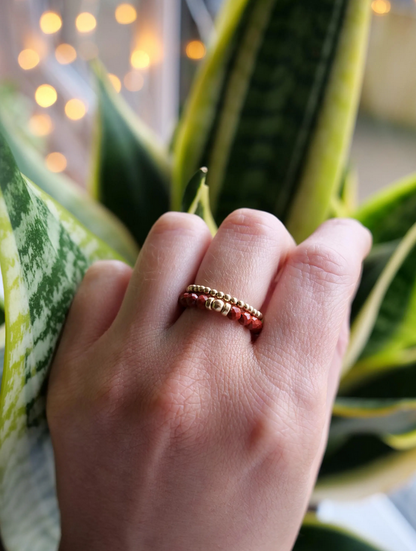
131, 174
356, 467
272, 112
44, 253
196, 199
95, 217
345, 204
317, 536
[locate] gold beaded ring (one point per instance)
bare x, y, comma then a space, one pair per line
206, 298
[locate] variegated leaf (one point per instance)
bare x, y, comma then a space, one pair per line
196, 199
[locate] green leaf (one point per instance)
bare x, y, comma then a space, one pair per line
91, 214
317, 536
131, 173
196, 199
44, 253
272, 111
345, 204
384, 325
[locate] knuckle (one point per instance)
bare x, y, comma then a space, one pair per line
322, 265
173, 221
252, 222
103, 269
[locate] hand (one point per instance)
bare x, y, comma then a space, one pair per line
174, 430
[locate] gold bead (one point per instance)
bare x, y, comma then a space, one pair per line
226, 309
206, 290
256, 313
208, 303
189, 288
260, 316
213, 292
234, 300
220, 294
227, 297
241, 303
247, 307
217, 305
201, 288
251, 310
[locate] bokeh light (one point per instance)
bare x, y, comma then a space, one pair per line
40, 124
65, 53
195, 49
115, 81
50, 22
56, 162
140, 59
381, 7
133, 81
45, 95
75, 109
85, 22
125, 14
28, 59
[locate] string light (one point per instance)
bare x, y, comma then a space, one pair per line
65, 53
50, 22
56, 162
45, 95
85, 22
28, 59
140, 59
75, 109
133, 81
115, 81
125, 14
381, 7
195, 49
40, 124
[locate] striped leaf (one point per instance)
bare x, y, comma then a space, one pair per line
131, 172
196, 199
272, 111
91, 214
44, 252
317, 536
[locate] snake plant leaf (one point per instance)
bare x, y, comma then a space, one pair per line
356, 467
44, 253
131, 172
91, 214
344, 204
384, 325
272, 111
196, 199
317, 536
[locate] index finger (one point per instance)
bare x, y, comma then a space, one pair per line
305, 314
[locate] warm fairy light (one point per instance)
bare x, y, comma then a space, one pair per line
75, 109
50, 22
115, 81
133, 81
65, 53
85, 22
381, 7
125, 14
28, 59
45, 95
56, 162
88, 50
140, 59
195, 49
40, 124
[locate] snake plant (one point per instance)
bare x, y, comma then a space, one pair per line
271, 115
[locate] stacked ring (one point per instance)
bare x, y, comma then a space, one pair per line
206, 298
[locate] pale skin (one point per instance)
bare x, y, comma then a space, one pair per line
174, 430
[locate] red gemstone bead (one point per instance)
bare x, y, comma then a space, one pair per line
256, 325
182, 299
201, 301
191, 299
245, 318
234, 313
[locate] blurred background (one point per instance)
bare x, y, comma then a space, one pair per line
152, 49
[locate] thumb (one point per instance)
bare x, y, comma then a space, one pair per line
95, 305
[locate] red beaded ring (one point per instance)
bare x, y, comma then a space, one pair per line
223, 305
